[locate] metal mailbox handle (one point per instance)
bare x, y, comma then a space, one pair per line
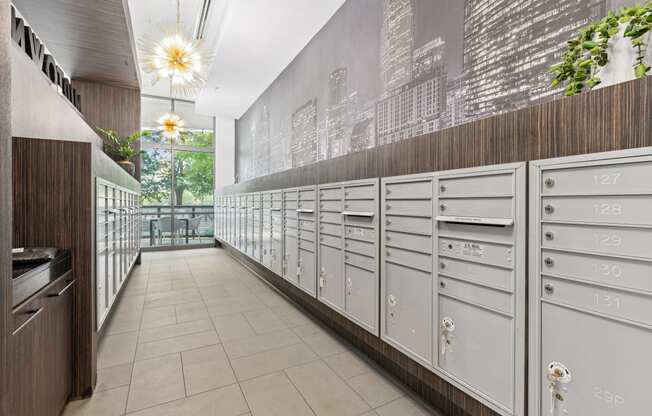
33, 316
357, 214
304, 210
64, 290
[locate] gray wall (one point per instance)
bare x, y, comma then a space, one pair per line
381, 71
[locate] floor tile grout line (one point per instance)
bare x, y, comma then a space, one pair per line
287, 376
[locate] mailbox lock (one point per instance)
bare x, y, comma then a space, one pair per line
550, 289
388, 222
442, 207
550, 235
442, 284
388, 254
442, 265
388, 191
388, 207
549, 209
549, 182
442, 188
549, 262
387, 238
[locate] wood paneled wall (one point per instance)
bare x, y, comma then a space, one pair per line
53, 204
5, 197
613, 118
111, 107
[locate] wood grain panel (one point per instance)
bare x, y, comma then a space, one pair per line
5, 200
53, 204
612, 118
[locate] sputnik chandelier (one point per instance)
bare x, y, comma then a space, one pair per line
171, 125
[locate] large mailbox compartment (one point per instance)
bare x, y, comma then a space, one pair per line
348, 250
480, 283
307, 235
591, 285
290, 236
272, 231
406, 278
266, 233
251, 225
256, 227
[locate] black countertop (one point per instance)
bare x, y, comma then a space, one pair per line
28, 279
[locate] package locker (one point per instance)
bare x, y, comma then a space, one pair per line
406, 270
591, 285
480, 283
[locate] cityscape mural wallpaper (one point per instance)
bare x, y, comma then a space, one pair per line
381, 71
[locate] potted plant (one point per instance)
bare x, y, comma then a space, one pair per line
122, 149
607, 52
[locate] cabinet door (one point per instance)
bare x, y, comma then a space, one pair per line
101, 285
307, 271
59, 348
331, 276
361, 296
291, 269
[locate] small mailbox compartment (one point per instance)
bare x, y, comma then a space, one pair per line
482, 274
409, 190
331, 229
632, 209
307, 194
365, 262
332, 206
329, 240
477, 185
414, 225
419, 243
362, 206
360, 192
360, 247
361, 233
416, 208
409, 258
330, 217
477, 207
306, 205
476, 251
330, 193
477, 295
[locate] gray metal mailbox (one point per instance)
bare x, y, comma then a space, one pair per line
591, 285
479, 301
348, 250
406, 271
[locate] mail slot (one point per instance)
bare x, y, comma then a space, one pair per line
414, 225
477, 295
333, 206
604, 179
360, 233
407, 316
477, 232
477, 207
477, 185
365, 262
331, 276
632, 209
409, 258
613, 271
480, 252
420, 243
330, 217
482, 274
361, 294
609, 363
408, 190
617, 303
361, 247
331, 229
330, 193
362, 206
481, 349
363, 221
417, 208
360, 192
330, 240
605, 240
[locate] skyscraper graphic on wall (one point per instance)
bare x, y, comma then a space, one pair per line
336, 114
305, 145
397, 42
262, 144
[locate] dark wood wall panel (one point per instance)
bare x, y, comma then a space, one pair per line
111, 107
613, 118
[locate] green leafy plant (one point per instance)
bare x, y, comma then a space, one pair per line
587, 53
121, 148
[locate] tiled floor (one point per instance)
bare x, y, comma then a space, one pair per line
197, 334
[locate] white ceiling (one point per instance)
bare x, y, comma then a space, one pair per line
252, 41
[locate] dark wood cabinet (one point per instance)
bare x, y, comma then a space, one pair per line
40, 347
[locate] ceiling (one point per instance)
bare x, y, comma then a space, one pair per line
89, 39
251, 41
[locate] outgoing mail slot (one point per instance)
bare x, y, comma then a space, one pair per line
480, 252
360, 233
330, 240
476, 207
333, 206
368, 263
473, 186
609, 362
330, 194
361, 296
361, 247
633, 209
477, 273
360, 192
616, 303
610, 179
607, 240
330, 217
478, 232
307, 195
481, 352
361, 206
408, 190
360, 220
331, 229
420, 243
413, 225
612, 271
477, 295
409, 258
407, 319
417, 208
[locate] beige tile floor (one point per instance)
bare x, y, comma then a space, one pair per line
197, 334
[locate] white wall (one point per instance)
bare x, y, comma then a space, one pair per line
39, 111
224, 151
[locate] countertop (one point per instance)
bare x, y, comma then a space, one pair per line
28, 279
